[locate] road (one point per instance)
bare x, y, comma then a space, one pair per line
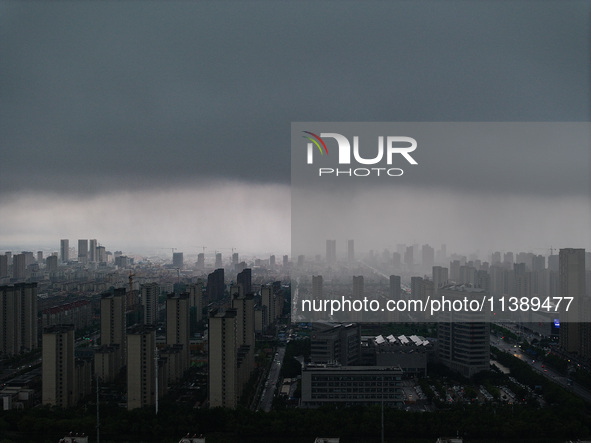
538, 366
269, 390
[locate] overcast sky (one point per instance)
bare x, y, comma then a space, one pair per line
167, 124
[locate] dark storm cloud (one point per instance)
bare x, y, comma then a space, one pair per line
101, 96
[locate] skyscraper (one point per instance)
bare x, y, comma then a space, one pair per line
150, 293
18, 267
141, 366
351, 251
58, 378
331, 252
51, 263
200, 261
573, 333
82, 251
427, 257
65, 250
218, 260
440, 277
215, 285
177, 325
18, 318
268, 301
92, 251
3, 266
177, 260
408, 256
101, 254
223, 364
244, 278
113, 328
464, 338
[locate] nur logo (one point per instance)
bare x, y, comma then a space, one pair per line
394, 145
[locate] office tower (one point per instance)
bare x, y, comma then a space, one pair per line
331, 252
408, 256
218, 260
351, 251
223, 362
427, 257
58, 379
141, 366
82, 251
51, 263
18, 318
8, 255
177, 260
201, 260
235, 258
301, 259
39, 256
464, 338
268, 301
244, 279
177, 325
150, 293
272, 261
65, 250
508, 258
18, 267
572, 284
336, 343
101, 254
440, 277
285, 261
3, 266
92, 251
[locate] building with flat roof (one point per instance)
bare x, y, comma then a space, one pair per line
223, 359
18, 318
177, 325
463, 340
336, 343
58, 366
141, 366
351, 385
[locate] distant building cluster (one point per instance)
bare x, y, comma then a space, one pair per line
119, 320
